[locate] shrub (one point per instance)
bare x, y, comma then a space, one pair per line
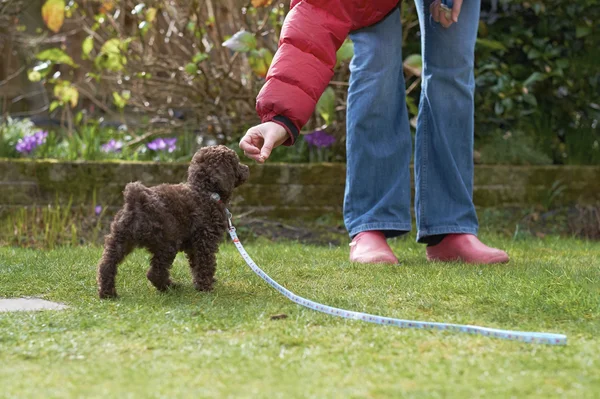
197, 66
537, 71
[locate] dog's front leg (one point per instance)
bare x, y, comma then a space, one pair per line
203, 264
158, 274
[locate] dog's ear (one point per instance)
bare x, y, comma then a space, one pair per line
223, 179
200, 155
196, 168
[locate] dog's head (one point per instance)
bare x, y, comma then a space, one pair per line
217, 169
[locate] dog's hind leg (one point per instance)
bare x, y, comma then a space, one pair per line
161, 262
115, 250
203, 265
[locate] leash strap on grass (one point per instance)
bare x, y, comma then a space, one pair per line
529, 337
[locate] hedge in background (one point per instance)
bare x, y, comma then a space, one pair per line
197, 66
538, 76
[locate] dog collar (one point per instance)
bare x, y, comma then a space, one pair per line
216, 197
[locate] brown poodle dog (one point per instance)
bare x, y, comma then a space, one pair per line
169, 218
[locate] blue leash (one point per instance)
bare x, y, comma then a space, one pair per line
528, 337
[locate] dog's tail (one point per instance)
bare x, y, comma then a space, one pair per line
136, 195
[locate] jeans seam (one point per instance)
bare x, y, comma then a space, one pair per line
422, 221
424, 156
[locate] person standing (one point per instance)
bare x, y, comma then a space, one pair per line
377, 193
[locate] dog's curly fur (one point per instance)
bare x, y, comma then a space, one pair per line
169, 218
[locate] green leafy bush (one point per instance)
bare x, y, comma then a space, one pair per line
538, 71
198, 65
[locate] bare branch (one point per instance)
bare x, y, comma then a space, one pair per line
12, 76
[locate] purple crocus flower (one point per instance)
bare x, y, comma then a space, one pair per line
29, 143
98, 209
319, 139
112, 146
163, 144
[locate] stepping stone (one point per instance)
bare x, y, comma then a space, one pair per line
28, 304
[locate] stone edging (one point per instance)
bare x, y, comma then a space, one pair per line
282, 190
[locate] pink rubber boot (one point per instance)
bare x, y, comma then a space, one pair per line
371, 247
465, 248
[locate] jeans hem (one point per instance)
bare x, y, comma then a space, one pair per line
445, 230
389, 229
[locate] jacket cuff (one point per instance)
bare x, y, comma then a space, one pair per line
287, 124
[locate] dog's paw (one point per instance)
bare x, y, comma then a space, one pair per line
204, 287
107, 294
170, 285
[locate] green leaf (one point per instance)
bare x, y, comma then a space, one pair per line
346, 52
111, 46
413, 108
266, 55
538, 8
534, 54
582, 31
66, 93
562, 63
151, 14
498, 108
199, 57
56, 55
414, 64
491, 44
507, 103
533, 78
260, 61
530, 99
111, 55
94, 76
118, 100
241, 42
87, 46
53, 105
326, 105
191, 68
34, 76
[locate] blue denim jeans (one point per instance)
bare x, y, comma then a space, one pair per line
379, 142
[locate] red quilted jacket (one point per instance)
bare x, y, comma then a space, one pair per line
303, 66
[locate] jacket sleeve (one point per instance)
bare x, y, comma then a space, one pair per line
303, 66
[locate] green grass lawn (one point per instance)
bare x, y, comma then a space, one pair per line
225, 344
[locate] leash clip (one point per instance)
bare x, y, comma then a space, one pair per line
229, 217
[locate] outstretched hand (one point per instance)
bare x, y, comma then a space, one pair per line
439, 15
259, 141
